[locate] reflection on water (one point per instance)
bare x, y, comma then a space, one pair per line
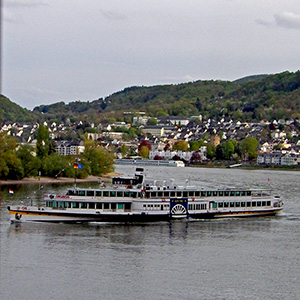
252, 258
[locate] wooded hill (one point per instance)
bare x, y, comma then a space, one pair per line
251, 98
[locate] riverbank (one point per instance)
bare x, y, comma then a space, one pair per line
30, 180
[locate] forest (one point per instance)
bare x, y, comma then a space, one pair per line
253, 98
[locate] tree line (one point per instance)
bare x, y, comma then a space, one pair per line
20, 161
226, 150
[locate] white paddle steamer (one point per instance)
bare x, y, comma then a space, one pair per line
148, 202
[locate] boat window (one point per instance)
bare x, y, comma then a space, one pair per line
113, 194
248, 193
231, 204
203, 194
121, 206
83, 205
238, 204
197, 193
198, 207
191, 194
258, 203
67, 204
153, 194
81, 193
215, 205
232, 193
98, 193
221, 193
60, 204
106, 205
119, 194
253, 203
126, 194
179, 194
90, 193
264, 203
243, 193
185, 194
248, 204
147, 194
166, 194
105, 193
238, 193
215, 193
114, 206
75, 204
243, 204
133, 194
226, 193
91, 205
268, 203
221, 204
209, 193
173, 194
99, 205
226, 204
70, 192
127, 206
54, 204
160, 194
203, 206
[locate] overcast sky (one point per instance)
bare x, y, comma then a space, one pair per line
68, 50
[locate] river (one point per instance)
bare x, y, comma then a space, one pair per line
251, 258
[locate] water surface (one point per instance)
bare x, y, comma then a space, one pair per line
252, 258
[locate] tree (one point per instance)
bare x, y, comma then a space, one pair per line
30, 163
55, 165
144, 143
124, 150
194, 145
152, 122
144, 152
99, 160
211, 151
181, 145
43, 142
248, 148
11, 166
7, 143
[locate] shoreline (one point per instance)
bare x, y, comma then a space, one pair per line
34, 180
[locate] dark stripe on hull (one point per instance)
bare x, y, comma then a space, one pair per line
131, 217
238, 214
92, 217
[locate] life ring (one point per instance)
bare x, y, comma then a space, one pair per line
163, 199
193, 199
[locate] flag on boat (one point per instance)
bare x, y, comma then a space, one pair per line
10, 191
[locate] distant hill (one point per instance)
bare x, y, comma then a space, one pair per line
12, 112
252, 98
250, 78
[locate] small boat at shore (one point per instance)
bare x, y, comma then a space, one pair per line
147, 201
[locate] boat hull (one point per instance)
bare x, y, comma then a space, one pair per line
42, 215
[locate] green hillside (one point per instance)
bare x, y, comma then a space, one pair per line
252, 98
11, 112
